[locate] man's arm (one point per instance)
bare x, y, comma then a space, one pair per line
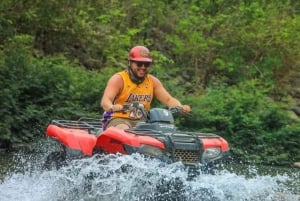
163, 95
113, 88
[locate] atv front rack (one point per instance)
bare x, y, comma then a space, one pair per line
92, 125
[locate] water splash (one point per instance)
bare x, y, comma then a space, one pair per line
123, 177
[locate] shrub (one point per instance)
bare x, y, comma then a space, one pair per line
253, 124
36, 90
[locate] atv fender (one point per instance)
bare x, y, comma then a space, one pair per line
112, 140
73, 138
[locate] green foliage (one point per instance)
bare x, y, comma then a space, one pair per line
253, 124
34, 91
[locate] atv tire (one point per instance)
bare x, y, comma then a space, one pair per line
55, 160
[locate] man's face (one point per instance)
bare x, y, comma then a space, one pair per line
140, 68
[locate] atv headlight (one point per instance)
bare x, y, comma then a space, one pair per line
211, 153
150, 150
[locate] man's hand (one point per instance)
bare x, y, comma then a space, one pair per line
186, 108
116, 107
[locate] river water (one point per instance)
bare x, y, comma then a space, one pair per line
134, 177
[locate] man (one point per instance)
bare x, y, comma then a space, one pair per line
134, 84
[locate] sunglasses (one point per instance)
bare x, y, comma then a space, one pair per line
140, 64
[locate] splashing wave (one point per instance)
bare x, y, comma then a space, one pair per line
119, 177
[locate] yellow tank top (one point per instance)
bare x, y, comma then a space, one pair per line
131, 93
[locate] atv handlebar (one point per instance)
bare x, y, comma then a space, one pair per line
173, 110
145, 114
133, 106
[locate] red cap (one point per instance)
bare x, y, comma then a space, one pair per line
140, 53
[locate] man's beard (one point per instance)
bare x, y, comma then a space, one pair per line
134, 78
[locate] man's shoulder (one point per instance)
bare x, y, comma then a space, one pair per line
122, 73
117, 77
152, 77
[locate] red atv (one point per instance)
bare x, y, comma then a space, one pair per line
156, 137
